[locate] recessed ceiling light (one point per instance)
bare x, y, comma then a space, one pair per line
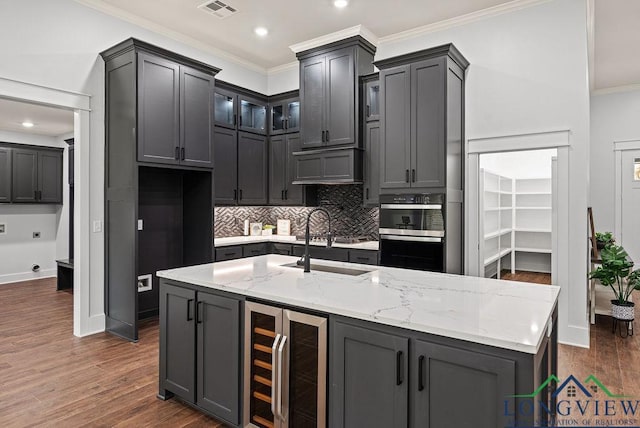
261, 31
27, 124
340, 3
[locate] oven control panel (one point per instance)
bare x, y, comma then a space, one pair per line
426, 198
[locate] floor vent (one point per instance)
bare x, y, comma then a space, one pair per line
217, 8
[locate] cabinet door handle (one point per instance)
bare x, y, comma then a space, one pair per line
413, 175
328, 138
235, 116
199, 312
286, 124
367, 193
189, 315
274, 373
35, 193
240, 194
406, 175
323, 133
282, 195
399, 368
235, 194
279, 398
39, 195
177, 153
182, 153
421, 373
229, 254
368, 110
286, 194
240, 121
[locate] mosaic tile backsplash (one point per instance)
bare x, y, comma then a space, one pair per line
344, 203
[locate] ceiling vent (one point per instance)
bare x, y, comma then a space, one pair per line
220, 9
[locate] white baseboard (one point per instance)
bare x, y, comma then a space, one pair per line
95, 324
27, 276
574, 336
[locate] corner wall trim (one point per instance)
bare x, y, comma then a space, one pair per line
501, 143
626, 145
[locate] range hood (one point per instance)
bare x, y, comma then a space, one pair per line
328, 166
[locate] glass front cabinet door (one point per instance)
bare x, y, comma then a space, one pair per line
285, 368
372, 94
253, 115
285, 116
225, 111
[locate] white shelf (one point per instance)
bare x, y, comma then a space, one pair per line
531, 230
497, 209
533, 193
533, 208
497, 256
497, 233
533, 250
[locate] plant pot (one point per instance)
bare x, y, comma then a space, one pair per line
622, 311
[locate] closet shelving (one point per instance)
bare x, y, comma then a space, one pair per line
516, 221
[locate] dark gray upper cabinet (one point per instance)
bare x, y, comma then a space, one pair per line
371, 187
158, 109
364, 360
328, 88
50, 176
253, 115
36, 175
174, 113
5, 174
196, 113
328, 166
421, 115
444, 376
252, 169
284, 116
225, 173
372, 100
282, 173
225, 108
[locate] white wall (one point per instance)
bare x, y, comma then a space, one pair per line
614, 117
524, 164
63, 53
528, 74
18, 249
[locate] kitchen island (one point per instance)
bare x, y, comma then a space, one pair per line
406, 348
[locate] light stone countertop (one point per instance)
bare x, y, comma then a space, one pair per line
241, 240
505, 314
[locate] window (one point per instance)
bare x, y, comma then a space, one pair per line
571, 391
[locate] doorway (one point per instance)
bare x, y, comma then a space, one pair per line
628, 196
516, 202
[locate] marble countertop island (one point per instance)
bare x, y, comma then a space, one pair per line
504, 314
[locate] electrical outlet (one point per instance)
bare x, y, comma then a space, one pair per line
36, 235
145, 283
3, 228
97, 226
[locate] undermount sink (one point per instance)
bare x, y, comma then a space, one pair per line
330, 269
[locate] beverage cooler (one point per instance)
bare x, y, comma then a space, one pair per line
284, 368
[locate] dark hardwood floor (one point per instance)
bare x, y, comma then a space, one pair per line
524, 276
48, 377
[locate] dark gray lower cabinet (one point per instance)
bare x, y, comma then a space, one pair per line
365, 257
445, 378
200, 350
253, 250
283, 249
323, 253
368, 372
229, 253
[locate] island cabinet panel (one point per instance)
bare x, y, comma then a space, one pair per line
446, 379
368, 376
200, 349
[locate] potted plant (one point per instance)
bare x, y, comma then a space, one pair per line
616, 272
603, 239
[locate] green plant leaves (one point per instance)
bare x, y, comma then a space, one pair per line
615, 272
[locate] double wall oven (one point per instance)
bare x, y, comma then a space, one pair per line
412, 231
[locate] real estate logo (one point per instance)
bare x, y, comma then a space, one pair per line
572, 404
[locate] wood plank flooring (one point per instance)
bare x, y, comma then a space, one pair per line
524, 276
50, 378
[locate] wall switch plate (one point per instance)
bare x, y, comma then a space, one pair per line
3, 228
145, 283
36, 235
97, 226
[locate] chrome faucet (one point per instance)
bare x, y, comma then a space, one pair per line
306, 259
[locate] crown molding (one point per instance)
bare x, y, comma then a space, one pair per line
489, 12
616, 89
357, 30
284, 67
164, 31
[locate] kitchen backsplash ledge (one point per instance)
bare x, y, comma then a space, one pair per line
344, 203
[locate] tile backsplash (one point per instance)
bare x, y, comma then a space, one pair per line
344, 203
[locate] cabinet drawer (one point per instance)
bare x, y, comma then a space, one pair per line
283, 249
365, 257
252, 250
228, 253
